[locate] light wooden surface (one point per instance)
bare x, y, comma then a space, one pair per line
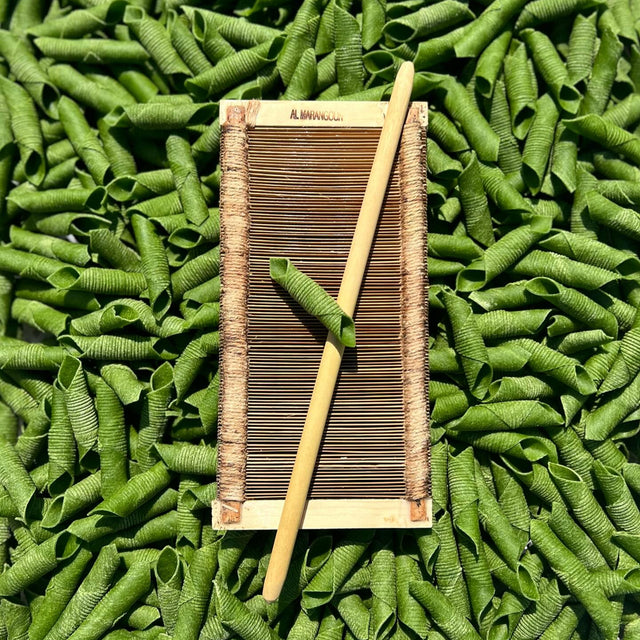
389, 513
311, 113
295, 500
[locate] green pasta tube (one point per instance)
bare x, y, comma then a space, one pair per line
603, 74
469, 344
98, 528
334, 572
123, 381
624, 113
183, 457
40, 316
590, 251
539, 616
581, 48
508, 324
606, 134
117, 149
153, 420
160, 116
410, 614
507, 538
457, 102
619, 191
60, 590
547, 61
487, 26
304, 79
86, 91
564, 270
95, 51
575, 304
96, 280
313, 299
154, 264
234, 68
16, 619
185, 43
544, 11
520, 388
586, 510
158, 530
300, 37
78, 497
497, 258
446, 133
61, 445
625, 366
206, 32
28, 72
196, 272
196, 593
521, 91
619, 502
142, 185
168, 572
80, 22
474, 203
48, 246
135, 492
490, 63
539, 482
427, 20
572, 535
114, 604
604, 419
576, 577
445, 614
58, 200
80, 409
509, 158
155, 39
457, 247
373, 20
537, 148
512, 444
84, 141
464, 507
187, 182
507, 197
348, 48
507, 415
620, 219
37, 562
26, 130
238, 31
16, 480
542, 359
112, 440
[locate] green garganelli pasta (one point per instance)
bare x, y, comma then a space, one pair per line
109, 316
313, 299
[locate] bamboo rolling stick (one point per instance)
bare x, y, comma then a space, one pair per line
353, 275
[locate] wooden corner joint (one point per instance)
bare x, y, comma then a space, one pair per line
418, 510
231, 511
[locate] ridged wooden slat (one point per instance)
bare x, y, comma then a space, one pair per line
305, 190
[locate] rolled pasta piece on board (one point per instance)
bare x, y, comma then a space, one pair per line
313, 299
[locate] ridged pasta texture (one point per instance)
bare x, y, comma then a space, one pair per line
109, 312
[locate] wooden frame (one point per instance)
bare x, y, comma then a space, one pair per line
232, 508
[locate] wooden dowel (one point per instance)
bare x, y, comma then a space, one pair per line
322, 395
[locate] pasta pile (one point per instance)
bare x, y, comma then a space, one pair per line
109, 312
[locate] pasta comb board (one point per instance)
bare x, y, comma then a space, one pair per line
293, 178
